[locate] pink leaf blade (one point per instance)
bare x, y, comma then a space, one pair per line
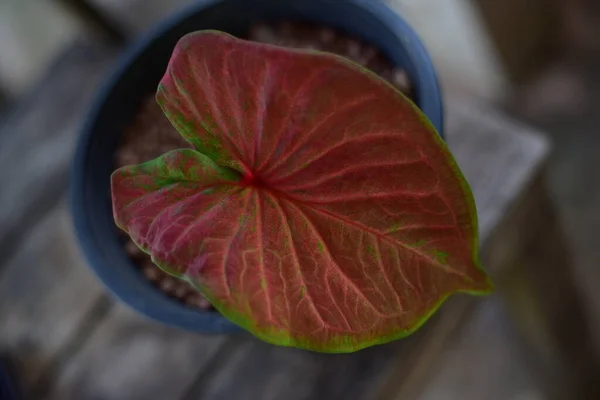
348, 222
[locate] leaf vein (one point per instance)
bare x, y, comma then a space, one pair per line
297, 260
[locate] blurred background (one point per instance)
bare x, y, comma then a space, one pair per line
535, 61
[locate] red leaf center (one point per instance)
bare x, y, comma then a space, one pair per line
250, 179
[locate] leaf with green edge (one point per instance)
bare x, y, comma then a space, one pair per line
319, 209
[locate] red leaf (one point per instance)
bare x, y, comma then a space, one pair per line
349, 222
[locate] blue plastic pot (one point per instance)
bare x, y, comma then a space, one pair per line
137, 75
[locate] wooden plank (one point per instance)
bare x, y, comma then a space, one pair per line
524, 34
136, 16
47, 296
258, 371
95, 20
38, 138
129, 357
481, 363
498, 156
4, 101
550, 307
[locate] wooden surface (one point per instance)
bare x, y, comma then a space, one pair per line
72, 341
38, 137
135, 16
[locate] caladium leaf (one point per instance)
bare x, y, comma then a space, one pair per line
320, 209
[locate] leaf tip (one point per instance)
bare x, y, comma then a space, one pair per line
481, 287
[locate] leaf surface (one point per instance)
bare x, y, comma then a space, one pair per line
320, 208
